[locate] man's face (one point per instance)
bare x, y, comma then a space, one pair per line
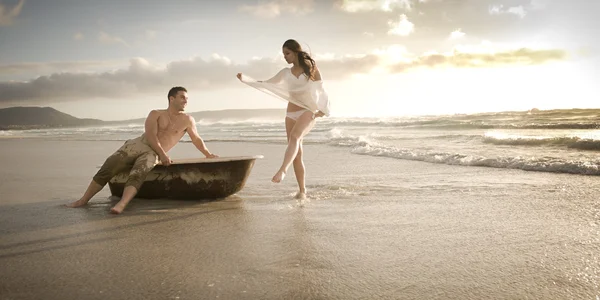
180, 100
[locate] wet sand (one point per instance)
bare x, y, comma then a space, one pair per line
374, 228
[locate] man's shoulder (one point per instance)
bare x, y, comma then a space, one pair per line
189, 117
157, 111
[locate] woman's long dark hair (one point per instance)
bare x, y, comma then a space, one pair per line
306, 62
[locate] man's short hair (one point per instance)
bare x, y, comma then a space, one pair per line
173, 92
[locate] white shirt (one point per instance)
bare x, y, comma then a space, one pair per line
299, 90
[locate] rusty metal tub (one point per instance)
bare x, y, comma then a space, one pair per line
202, 178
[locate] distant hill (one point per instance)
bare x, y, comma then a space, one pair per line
47, 117
39, 117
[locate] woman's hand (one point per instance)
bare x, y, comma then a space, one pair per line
319, 114
239, 76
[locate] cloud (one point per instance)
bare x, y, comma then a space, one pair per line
537, 4
274, 8
20, 69
515, 10
150, 34
434, 19
403, 27
459, 59
7, 15
141, 77
78, 36
144, 38
369, 34
456, 34
106, 38
354, 6
495, 9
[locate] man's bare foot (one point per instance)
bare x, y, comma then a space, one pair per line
78, 203
300, 196
117, 209
278, 177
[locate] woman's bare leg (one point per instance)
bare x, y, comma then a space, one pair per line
299, 171
298, 164
302, 126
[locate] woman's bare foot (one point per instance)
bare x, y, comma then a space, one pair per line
278, 177
78, 203
300, 196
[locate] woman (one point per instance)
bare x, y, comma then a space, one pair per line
302, 87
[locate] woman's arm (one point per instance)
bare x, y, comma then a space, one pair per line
322, 97
275, 79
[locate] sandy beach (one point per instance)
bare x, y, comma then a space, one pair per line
451, 149
373, 228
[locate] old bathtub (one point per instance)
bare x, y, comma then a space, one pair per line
201, 178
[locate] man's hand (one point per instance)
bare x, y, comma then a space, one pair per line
210, 155
165, 160
239, 76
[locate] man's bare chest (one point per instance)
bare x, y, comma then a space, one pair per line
171, 126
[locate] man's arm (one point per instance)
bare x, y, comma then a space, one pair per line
196, 139
151, 133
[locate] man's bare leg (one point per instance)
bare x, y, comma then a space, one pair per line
128, 194
300, 129
92, 190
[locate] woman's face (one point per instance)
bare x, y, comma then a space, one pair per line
289, 55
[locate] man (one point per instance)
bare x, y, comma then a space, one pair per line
163, 130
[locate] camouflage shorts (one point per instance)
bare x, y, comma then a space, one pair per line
135, 155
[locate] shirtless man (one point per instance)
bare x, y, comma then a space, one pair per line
163, 130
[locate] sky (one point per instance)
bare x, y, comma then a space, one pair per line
115, 59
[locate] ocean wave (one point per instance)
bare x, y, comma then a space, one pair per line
549, 164
237, 122
569, 142
446, 137
542, 120
261, 135
240, 130
464, 125
280, 141
364, 146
